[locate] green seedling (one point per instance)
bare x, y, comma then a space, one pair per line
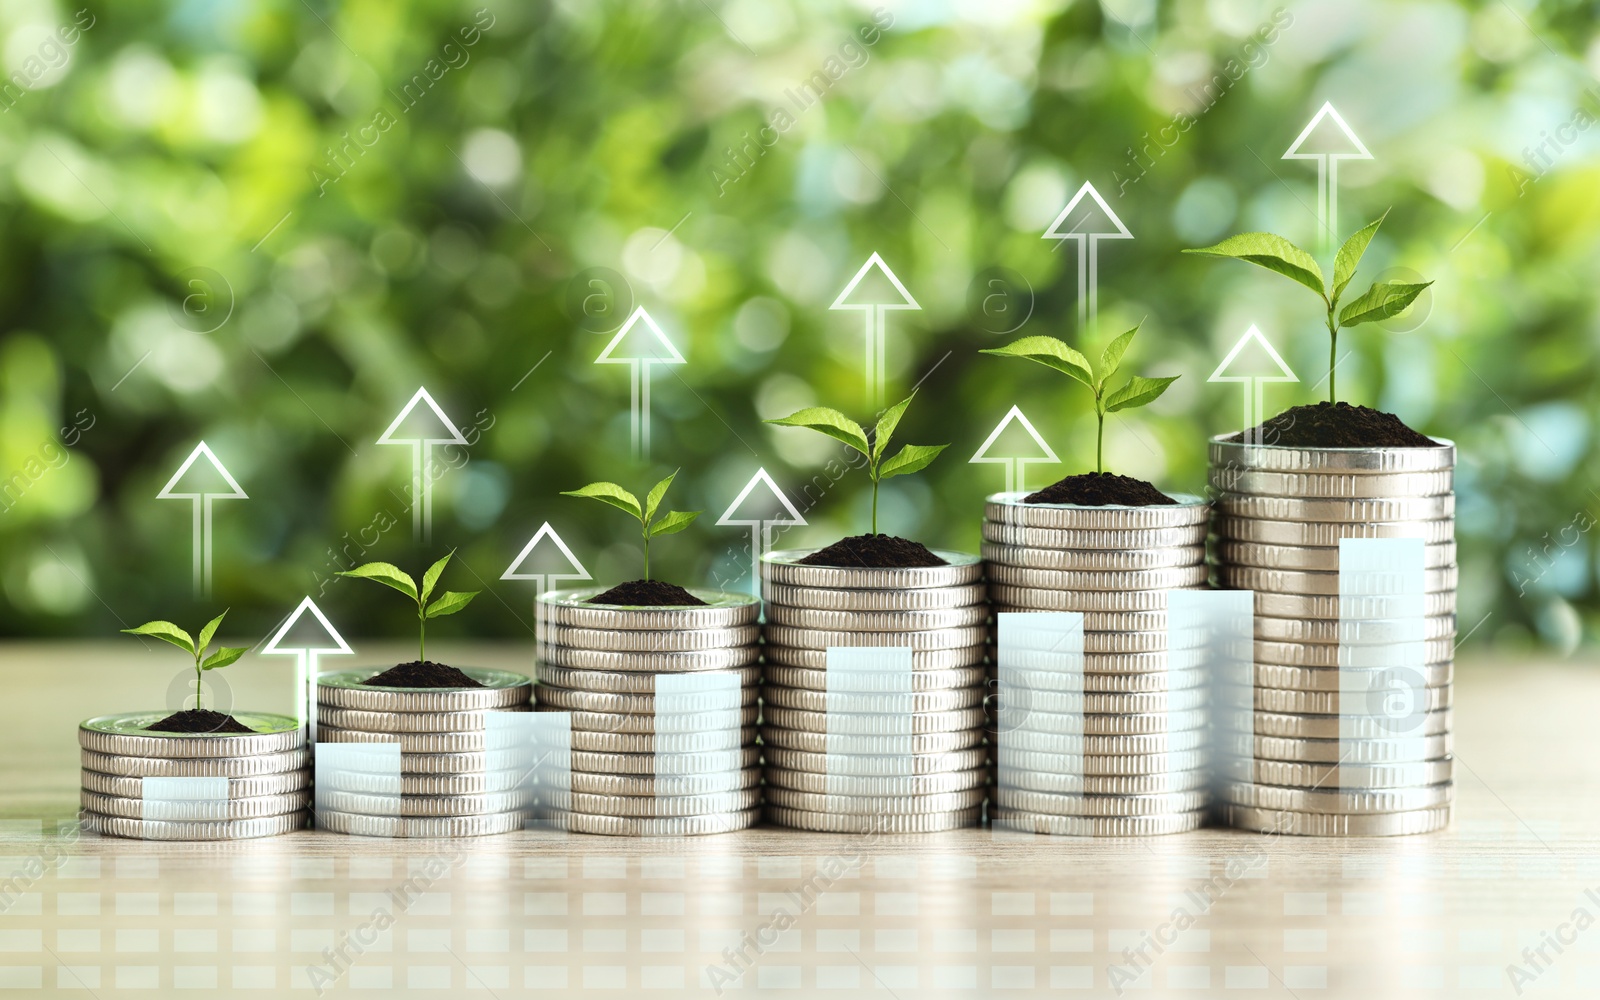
911, 458
672, 522
168, 632
1136, 392
1383, 300
393, 576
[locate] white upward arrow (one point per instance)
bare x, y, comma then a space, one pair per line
306, 650
543, 581
760, 524
443, 431
656, 350
1081, 228
1344, 146
1253, 376
202, 494
874, 306
1016, 465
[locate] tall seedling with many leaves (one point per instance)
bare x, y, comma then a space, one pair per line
671, 523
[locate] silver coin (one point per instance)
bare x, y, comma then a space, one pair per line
1026, 701
1306, 824
1302, 582
501, 689
409, 722
825, 599
721, 611
625, 681
871, 723
878, 825
674, 765
640, 704
1094, 641
431, 785
1327, 702
196, 810
1332, 607
692, 661
921, 680
471, 762
1009, 508
674, 743
1018, 821
150, 829
1280, 508
876, 805
921, 659
652, 640
1283, 458
1328, 727
1050, 804
1039, 599
1177, 578
134, 766
1075, 539
784, 566
776, 696
1091, 560
1033, 720
876, 786
686, 724
410, 743
1334, 776
464, 804
1353, 802
1325, 630
675, 826
877, 621
1105, 746
1056, 783
1029, 663
1310, 654
1013, 762
666, 786
1283, 678
1341, 485
1335, 751
944, 638
1327, 534
1154, 681
1107, 621
650, 806
128, 735
1305, 557
917, 743
427, 827
262, 784
845, 765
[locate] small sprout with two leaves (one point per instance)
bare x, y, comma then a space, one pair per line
196, 648
391, 575
911, 458
672, 522
1137, 391
1384, 300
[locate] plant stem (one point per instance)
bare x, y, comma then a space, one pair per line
647, 554
197, 682
1099, 442
874, 506
422, 634
1333, 349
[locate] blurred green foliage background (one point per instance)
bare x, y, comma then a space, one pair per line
266, 223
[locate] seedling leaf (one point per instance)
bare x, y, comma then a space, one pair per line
206, 633
431, 577
1272, 252
911, 458
1344, 264
830, 422
449, 603
166, 631
387, 574
1138, 392
886, 425
657, 491
1111, 357
1383, 300
1051, 353
223, 657
612, 494
674, 522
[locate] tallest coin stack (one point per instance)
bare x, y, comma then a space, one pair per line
1279, 520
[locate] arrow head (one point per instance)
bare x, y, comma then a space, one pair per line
1253, 359
1095, 219
548, 561
307, 630
1327, 135
649, 344
207, 478
875, 286
429, 424
761, 502
1014, 438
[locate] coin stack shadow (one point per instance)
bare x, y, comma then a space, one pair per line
1120, 748
1279, 518
214, 787
450, 783
663, 713
930, 774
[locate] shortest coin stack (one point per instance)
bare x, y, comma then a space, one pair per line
149, 785
452, 782
662, 703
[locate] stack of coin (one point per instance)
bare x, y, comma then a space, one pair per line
450, 783
178, 786
916, 772
1385, 767
1119, 749
663, 712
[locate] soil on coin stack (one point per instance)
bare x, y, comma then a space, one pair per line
202, 720
874, 551
1100, 489
647, 594
422, 674
1339, 425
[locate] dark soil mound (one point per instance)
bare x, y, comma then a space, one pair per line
1339, 425
422, 674
647, 594
202, 720
1098, 489
877, 551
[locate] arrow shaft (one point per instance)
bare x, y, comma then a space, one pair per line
1083, 284
756, 538
1323, 223
644, 411
1013, 474
1250, 394
1333, 201
633, 401
879, 398
870, 374
538, 617
427, 492
416, 491
1093, 310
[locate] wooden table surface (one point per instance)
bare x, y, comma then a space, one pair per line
969, 913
